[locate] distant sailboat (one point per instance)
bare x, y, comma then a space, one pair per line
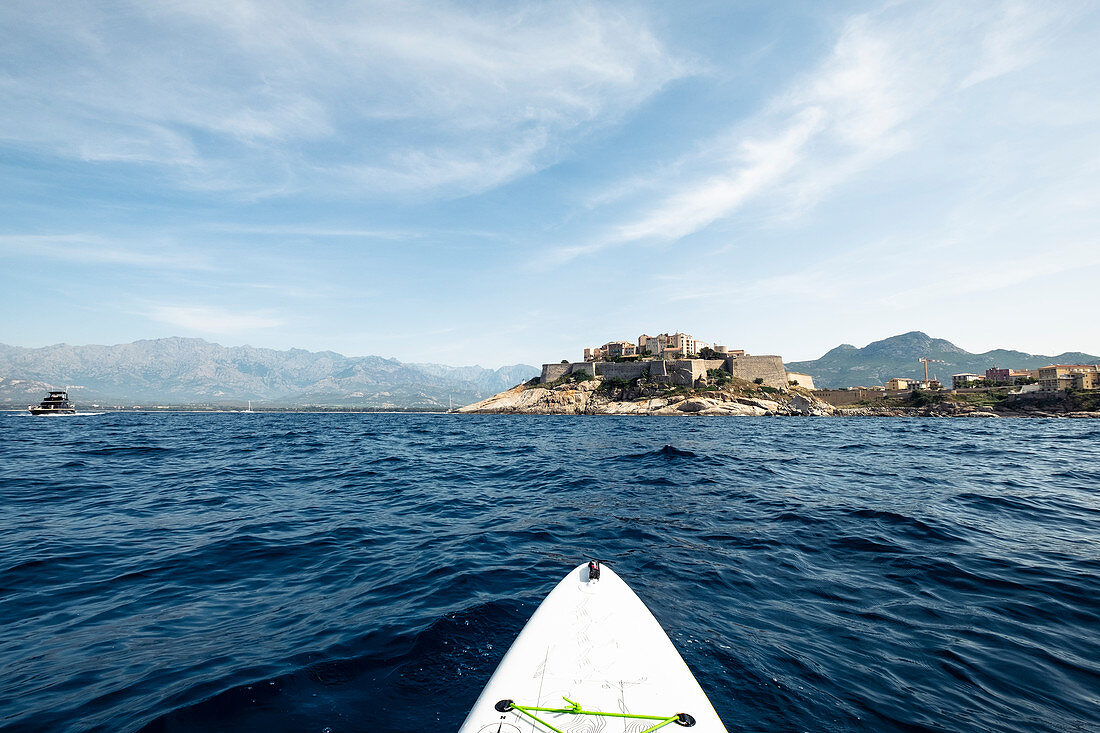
249, 406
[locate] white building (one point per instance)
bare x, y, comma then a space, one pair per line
960, 381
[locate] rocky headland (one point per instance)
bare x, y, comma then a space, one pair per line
582, 395
596, 396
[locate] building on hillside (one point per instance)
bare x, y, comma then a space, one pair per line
1086, 380
961, 381
802, 380
679, 372
901, 383
1060, 377
598, 353
611, 350
1000, 376
1060, 383
662, 346
671, 345
619, 349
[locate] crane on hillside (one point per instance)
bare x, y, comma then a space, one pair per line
926, 384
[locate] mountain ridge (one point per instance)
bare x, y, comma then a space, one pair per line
896, 356
181, 370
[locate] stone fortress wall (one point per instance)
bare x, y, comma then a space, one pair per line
770, 368
681, 372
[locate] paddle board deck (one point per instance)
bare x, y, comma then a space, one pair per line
592, 644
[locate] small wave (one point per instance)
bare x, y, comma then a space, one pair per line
799, 518
1081, 475
878, 545
1012, 503
669, 452
906, 525
125, 450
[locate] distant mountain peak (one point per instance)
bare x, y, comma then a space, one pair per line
897, 356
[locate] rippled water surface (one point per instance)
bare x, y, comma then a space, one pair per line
202, 572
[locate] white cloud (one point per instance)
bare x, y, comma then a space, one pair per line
267, 96
202, 319
1015, 40
865, 102
759, 164
317, 232
95, 249
471, 171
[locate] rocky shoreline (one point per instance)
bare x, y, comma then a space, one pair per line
596, 397
955, 410
593, 397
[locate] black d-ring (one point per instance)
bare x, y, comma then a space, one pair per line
685, 720
504, 706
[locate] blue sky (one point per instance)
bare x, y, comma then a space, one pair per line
492, 183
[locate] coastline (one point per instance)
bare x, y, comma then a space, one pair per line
595, 396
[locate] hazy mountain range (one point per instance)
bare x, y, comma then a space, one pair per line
193, 371
847, 366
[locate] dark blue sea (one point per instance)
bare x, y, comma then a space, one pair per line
351, 572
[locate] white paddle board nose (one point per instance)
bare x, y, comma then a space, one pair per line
592, 657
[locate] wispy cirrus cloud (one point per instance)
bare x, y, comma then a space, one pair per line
206, 319
1016, 38
361, 99
318, 232
757, 164
103, 250
864, 102
749, 167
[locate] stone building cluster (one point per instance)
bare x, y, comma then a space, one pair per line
1053, 378
674, 359
662, 346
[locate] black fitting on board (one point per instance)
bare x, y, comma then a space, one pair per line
503, 706
685, 720
594, 570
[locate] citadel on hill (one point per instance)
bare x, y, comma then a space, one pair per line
663, 346
677, 359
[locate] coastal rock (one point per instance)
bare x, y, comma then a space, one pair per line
640, 407
768, 406
802, 405
534, 401
735, 408
586, 398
